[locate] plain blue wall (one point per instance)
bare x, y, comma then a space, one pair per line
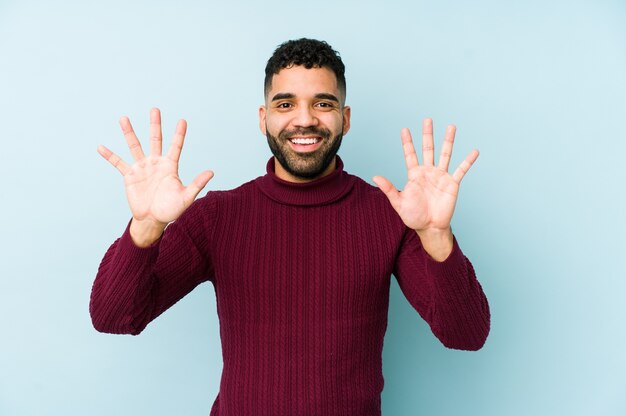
539, 87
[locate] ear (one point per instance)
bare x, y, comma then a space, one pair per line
262, 124
346, 119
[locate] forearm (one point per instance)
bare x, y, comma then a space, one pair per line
145, 233
125, 274
437, 243
459, 310
445, 293
136, 284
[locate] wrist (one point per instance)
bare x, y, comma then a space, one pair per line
145, 232
438, 243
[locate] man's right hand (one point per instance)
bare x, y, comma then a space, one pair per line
155, 193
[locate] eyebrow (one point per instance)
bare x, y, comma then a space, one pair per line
326, 96
283, 96
321, 95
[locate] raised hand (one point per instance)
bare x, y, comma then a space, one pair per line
155, 193
427, 202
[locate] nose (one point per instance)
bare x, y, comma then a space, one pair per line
305, 117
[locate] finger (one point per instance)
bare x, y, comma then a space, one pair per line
446, 148
465, 166
177, 142
114, 159
193, 189
389, 190
409, 150
428, 147
131, 139
155, 132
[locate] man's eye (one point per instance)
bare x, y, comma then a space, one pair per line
284, 105
325, 105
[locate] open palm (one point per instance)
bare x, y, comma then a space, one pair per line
428, 199
153, 188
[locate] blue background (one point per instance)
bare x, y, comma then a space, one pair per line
539, 87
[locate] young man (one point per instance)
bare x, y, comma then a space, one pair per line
300, 258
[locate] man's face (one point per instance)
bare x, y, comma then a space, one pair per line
304, 120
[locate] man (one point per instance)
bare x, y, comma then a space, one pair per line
300, 258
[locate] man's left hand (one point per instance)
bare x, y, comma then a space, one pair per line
427, 202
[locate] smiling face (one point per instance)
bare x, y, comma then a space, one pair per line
304, 120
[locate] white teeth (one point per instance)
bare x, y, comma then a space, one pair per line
304, 140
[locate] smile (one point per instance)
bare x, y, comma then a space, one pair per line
305, 140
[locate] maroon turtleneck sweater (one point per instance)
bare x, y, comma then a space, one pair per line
301, 274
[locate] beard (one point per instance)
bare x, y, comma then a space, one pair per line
306, 165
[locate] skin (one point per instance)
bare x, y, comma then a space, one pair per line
427, 202
299, 98
155, 193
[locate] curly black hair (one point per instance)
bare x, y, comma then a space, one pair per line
309, 53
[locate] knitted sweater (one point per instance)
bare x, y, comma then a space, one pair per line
301, 275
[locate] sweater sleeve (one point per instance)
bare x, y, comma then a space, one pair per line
135, 285
446, 294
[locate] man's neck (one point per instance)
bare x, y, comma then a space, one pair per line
281, 173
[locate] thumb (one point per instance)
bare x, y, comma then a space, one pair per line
389, 190
193, 189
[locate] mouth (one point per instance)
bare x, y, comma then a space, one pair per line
308, 140
305, 143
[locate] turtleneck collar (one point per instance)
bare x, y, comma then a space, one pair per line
322, 191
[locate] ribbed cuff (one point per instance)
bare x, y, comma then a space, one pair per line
128, 246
